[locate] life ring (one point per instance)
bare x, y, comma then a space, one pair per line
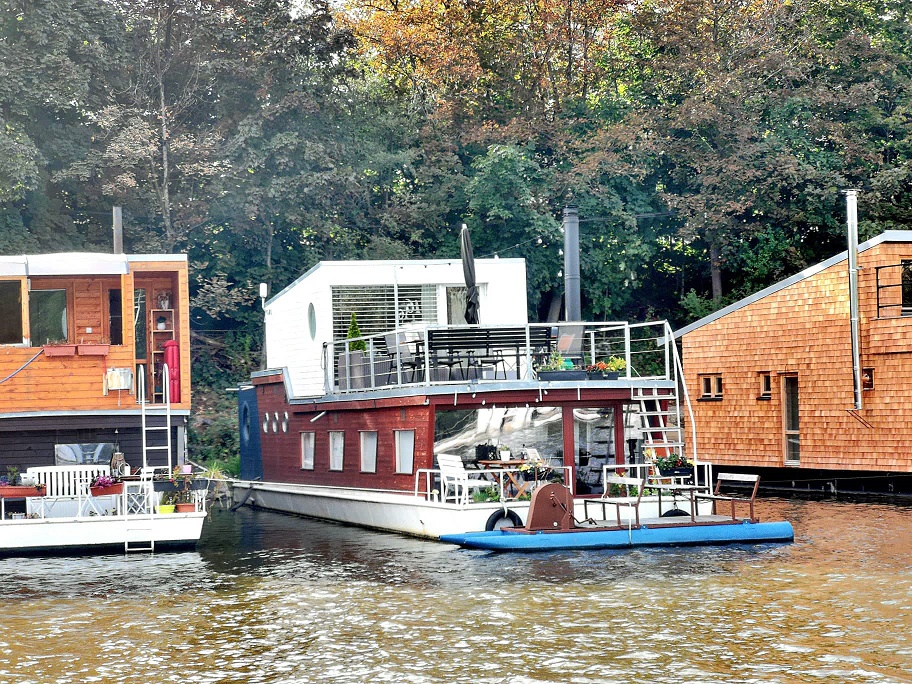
502, 514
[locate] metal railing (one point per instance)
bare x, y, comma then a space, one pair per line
442, 355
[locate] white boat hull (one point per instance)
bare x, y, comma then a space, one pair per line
90, 534
396, 512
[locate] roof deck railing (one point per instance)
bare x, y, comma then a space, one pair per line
426, 355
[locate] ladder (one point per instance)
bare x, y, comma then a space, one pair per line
659, 410
139, 497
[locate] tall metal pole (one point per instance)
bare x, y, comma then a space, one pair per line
572, 306
852, 220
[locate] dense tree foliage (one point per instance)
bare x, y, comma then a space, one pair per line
705, 142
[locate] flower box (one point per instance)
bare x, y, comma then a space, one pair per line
562, 375
59, 350
603, 375
106, 491
93, 349
185, 507
676, 472
20, 491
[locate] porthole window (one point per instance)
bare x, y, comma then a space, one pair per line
266, 422
285, 422
275, 422
312, 320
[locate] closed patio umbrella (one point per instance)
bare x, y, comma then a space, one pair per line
468, 270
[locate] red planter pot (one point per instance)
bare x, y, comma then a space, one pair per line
185, 507
105, 491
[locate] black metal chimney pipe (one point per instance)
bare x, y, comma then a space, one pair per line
572, 308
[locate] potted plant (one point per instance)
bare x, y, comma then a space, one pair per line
353, 371
166, 505
12, 486
608, 369
673, 466
103, 485
556, 367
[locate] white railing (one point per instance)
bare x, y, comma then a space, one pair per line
508, 487
459, 355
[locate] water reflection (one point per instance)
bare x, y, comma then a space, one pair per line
270, 598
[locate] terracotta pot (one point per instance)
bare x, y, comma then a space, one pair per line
60, 350
105, 491
185, 507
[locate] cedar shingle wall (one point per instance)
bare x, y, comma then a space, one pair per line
804, 329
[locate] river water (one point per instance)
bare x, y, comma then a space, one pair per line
273, 598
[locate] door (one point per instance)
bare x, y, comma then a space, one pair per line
790, 419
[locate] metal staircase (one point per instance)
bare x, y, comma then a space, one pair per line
660, 410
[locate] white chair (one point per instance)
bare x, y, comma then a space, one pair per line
455, 477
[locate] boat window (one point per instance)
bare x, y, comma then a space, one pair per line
48, 321
336, 449
307, 450
790, 419
376, 307
405, 451
766, 385
867, 379
906, 288
139, 322
115, 316
473, 433
10, 312
711, 386
368, 452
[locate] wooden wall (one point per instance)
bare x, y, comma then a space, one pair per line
804, 329
37, 382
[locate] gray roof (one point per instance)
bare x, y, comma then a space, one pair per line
886, 236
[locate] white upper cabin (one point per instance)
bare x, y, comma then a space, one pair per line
316, 308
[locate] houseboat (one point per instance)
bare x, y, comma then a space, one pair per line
94, 370
381, 407
817, 395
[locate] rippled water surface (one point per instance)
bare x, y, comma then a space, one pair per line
271, 598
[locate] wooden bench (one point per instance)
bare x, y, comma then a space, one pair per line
453, 474
628, 500
65, 487
728, 478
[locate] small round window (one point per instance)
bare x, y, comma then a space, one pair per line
275, 422
266, 422
312, 320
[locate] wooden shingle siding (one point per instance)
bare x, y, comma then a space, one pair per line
804, 329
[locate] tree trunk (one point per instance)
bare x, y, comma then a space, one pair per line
715, 269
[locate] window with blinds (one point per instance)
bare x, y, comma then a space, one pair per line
375, 307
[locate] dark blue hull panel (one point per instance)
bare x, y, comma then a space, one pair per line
678, 535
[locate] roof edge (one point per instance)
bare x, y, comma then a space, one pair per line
886, 236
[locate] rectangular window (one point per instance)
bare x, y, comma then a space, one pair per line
405, 451
139, 321
336, 449
115, 316
10, 312
790, 419
307, 450
766, 385
369, 452
711, 386
906, 287
867, 378
48, 317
